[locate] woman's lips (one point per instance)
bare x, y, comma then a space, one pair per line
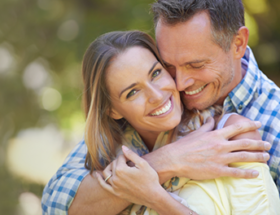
165, 108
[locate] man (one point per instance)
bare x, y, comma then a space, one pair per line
203, 50
205, 61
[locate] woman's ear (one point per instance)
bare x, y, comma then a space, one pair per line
240, 42
114, 114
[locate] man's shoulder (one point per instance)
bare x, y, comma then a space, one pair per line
59, 193
269, 89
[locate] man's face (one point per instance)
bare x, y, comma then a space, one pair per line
203, 72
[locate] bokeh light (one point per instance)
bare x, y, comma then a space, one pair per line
42, 44
51, 99
68, 30
6, 59
35, 154
257, 6
29, 204
35, 76
253, 29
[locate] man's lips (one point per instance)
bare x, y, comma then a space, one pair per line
163, 109
193, 92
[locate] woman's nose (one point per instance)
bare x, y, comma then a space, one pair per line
155, 94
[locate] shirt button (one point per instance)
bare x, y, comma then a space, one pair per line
240, 107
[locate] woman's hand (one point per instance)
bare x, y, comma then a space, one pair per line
138, 184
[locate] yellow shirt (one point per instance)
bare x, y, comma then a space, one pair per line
221, 196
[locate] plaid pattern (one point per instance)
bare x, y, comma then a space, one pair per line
256, 97
61, 189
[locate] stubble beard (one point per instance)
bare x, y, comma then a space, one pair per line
214, 100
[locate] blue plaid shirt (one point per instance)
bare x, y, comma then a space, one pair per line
61, 189
256, 97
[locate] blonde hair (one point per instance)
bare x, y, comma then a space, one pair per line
188, 116
102, 133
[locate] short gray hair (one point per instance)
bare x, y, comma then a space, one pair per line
226, 16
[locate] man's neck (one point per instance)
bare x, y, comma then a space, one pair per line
239, 75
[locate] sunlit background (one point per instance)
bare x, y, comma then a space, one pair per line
41, 47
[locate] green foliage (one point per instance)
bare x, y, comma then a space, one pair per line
55, 34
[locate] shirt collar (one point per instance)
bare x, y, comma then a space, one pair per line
246, 90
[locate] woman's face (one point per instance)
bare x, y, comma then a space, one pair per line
143, 92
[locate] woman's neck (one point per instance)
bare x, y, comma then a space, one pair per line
149, 138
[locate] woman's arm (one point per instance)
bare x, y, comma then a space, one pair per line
91, 198
181, 157
261, 191
147, 191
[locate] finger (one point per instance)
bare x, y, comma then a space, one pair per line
238, 128
107, 171
114, 167
120, 167
104, 185
240, 173
135, 158
247, 144
121, 161
245, 156
208, 125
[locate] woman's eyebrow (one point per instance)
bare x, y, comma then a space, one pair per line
155, 63
132, 85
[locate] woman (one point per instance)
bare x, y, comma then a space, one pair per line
127, 90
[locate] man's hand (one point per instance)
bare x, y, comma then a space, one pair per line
205, 154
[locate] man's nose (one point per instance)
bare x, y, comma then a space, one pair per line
183, 80
155, 94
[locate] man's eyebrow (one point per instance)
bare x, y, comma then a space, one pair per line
186, 63
132, 85
193, 61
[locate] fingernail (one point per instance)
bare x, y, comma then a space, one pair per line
125, 148
258, 124
255, 173
265, 157
267, 146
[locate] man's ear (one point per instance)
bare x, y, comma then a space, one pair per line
114, 114
240, 42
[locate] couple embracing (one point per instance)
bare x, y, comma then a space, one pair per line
150, 109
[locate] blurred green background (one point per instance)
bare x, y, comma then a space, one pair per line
42, 43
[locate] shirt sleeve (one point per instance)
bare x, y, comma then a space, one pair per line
59, 193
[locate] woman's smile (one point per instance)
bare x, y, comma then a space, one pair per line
163, 109
143, 92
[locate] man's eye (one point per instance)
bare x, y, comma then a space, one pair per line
131, 93
156, 73
197, 65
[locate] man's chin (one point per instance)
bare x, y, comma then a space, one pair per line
197, 105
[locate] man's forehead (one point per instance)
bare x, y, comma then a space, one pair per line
184, 42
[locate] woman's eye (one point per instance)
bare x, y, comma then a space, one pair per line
131, 93
156, 73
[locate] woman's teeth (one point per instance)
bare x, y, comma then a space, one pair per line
163, 109
195, 91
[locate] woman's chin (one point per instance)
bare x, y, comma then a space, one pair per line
171, 124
